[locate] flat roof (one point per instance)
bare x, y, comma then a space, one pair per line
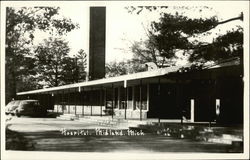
109, 80
129, 77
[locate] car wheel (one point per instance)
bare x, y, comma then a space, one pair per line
17, 114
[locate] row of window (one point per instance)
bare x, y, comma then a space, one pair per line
119, 96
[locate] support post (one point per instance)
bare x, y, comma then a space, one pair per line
56, 100
140, 99
217, 109
68, 102
83, 102
48, 101
125, 99
101, 96
148, 96
61, 101
210, 105
192, 110
105, 98
112, 113
133, 98
159, 96
63, 97
119, 97
75, 96
91, 100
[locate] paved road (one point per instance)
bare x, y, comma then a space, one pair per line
45, 134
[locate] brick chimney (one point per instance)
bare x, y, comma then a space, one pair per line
97, 37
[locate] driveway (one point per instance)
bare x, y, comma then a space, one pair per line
51, 134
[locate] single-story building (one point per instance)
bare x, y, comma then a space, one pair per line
208, 94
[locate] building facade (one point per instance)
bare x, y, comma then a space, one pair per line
212, 94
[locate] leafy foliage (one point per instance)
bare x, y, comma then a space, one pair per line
52, 60
55, 67
21, 23
125, 67
174, 33
223, 47
177, 24
176, 37
81, 65
139, 9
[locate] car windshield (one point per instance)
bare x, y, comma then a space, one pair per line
13, 103
30, 103
17, 103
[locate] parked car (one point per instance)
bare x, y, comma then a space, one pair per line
25, 108
11, 106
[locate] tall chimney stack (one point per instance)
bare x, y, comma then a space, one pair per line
97, 37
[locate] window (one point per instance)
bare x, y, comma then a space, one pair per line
143, 97
122, 98
129, 98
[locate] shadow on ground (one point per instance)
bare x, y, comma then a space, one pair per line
16, 141
55, 141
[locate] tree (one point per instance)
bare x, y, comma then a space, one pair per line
54, 66
223, 47
21, 23
113, 69
80, 66
176, 33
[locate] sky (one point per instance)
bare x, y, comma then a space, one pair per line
122, 28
